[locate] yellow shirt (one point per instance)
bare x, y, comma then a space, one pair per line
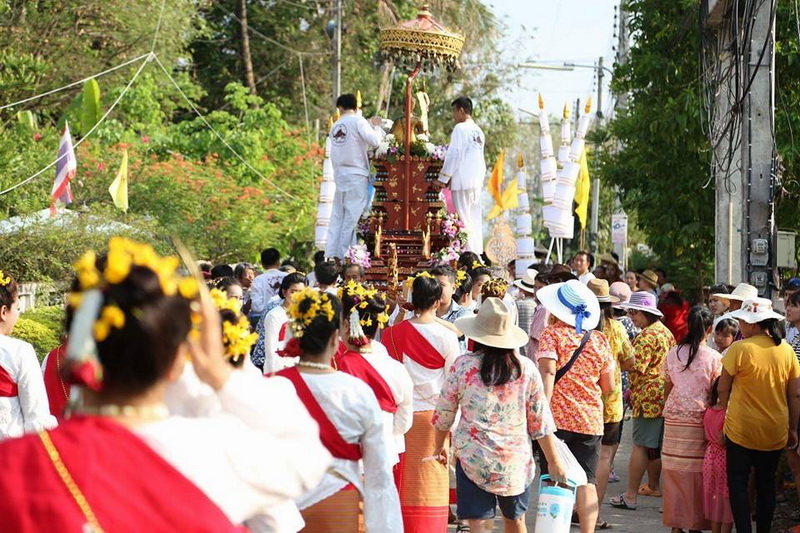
623, 351
758, 415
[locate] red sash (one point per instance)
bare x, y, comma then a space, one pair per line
404, 338
356, 365
123, 479
56, 386
328, 433
8, 387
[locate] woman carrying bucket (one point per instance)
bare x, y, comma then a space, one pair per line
503, 407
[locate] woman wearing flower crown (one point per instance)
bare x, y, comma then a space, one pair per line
427, 349
273, 332
350, 426
367, 359
109, 466
23, 400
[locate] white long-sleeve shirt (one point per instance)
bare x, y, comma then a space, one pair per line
273, 323
252, 447
428, 382
351, 136
464, 166
264, 287
351, 406
396, 424
29, 410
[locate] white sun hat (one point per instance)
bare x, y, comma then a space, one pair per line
742, 292
755, 310
492, 326
526, 283
571, 302
642, 301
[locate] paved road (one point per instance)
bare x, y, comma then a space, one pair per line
645, 518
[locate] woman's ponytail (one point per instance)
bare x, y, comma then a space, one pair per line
700, 319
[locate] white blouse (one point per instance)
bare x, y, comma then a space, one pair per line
251, 448
428, 382
397, 424
273, 322
28, 411
351, 406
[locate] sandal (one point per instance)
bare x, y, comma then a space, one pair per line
645, 490
602, 524
462, 528
620, 503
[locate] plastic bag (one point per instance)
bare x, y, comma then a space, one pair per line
574, 470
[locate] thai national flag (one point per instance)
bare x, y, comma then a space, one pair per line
66, 167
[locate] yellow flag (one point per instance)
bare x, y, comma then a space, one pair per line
582, 187
509, 200
496, 179
119, 187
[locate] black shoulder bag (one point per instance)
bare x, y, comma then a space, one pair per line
564, 369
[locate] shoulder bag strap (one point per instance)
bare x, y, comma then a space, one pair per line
564, 369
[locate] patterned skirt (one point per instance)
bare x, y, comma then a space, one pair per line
682, 475
338, 513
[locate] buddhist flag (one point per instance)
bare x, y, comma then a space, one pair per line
119, 187
66, 168
496, 179
582, 187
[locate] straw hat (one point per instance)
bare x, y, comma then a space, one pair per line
756, 310
621, 290
571, 302
599, 288
742, 292
559, 273
492, 326
649, 277
642, 301
526, 283
608, 258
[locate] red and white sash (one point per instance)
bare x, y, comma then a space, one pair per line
356, 365
404, 338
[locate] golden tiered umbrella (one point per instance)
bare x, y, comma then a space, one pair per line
419, 44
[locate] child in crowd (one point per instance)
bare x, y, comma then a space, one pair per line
716, 505
725, 331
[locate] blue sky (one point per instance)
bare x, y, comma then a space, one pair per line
552, 32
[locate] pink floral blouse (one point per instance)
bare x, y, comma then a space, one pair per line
691, 388
493, 437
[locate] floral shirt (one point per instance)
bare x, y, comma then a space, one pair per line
493, 437
577, 402
622, 350
647, 379
691, 387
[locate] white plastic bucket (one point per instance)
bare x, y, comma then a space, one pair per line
569, 174
548, 190
563, 196
562, 232
555, 215
524, 224
554, 510
525, 246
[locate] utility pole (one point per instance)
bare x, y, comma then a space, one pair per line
621, 248
595, 218
758, 154
337, 51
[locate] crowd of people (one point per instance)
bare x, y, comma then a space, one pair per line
386, 409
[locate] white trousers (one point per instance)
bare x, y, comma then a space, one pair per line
347, 209
468, 206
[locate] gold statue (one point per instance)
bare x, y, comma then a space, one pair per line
399, 127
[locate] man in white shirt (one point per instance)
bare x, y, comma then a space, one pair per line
464, 170
265, 286
351, 135
582, 263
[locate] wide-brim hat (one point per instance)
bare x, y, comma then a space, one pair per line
742, 292
559, 273
642, 301
527, 282
493, 326
599, 288
608, 258
569, 300
756, 310
650, 277
621, 291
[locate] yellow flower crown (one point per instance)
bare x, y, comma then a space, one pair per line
461, 276
319, 304
4, 279
123, 255
236, 337
361, 294
496, 287
477, 264
410, 279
